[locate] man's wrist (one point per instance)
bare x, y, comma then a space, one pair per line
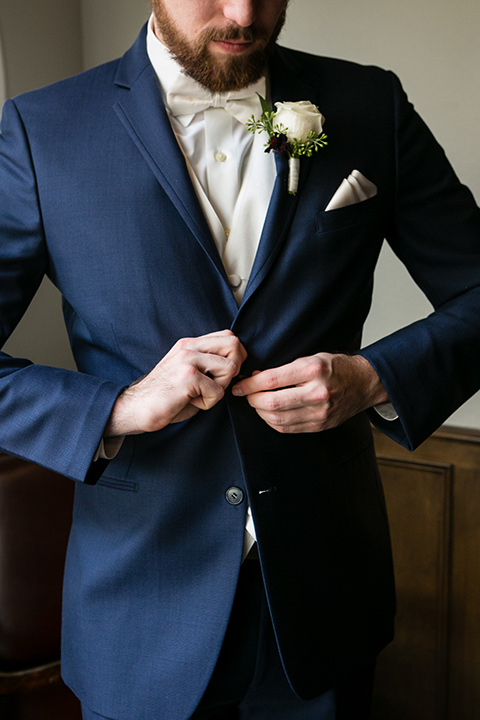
373, 389
122, 418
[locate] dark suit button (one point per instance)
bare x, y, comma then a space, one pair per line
234, 495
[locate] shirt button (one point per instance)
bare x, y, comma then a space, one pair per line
220, 156
235, 281
234, 496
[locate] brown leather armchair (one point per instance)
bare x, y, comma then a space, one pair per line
35, 516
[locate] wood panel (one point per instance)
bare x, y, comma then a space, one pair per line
432, 669
418, 499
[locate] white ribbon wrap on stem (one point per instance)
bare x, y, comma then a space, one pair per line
293, 175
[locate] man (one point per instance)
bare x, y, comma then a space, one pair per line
216, 322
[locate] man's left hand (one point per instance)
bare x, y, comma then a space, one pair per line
313, 393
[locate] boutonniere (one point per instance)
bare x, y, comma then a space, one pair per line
294, 129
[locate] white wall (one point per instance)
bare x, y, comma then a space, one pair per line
3, 87
110, 27
41, 43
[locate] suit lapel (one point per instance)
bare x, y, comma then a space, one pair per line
287, 83
141, 110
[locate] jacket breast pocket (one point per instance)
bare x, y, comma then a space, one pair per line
367, 211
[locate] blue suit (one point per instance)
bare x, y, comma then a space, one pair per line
95, 193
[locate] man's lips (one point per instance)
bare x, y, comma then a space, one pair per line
233, 47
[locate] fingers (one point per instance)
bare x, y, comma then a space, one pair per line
219, 354
292, 398
313, 393
296, 373
192, 376
304, 409
223, 343
298, 397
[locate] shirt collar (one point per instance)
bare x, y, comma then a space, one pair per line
166, 67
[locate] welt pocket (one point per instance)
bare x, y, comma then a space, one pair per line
330, 220
116, 484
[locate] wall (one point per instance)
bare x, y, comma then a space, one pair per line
3, 87
123, 17
432, 45
41, 43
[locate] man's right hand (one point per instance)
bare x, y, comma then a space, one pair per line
192, 376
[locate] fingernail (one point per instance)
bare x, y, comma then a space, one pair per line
237, 391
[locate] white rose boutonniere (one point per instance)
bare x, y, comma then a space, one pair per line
294, 129
299, 118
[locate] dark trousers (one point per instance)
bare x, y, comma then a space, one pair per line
248, 682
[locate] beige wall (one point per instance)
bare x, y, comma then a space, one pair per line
123, 17
3, 87
432, 45
41, 43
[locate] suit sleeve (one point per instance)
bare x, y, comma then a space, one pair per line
430, 367
49, 416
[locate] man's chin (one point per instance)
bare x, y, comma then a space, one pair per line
228, 72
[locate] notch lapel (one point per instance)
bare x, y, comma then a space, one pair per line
142, 112
287, 83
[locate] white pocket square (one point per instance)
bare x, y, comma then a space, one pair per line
354, 189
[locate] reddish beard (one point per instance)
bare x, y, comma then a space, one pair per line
218, 74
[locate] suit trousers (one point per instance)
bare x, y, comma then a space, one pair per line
248, 682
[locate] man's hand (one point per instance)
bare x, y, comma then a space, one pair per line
192, 376
313, 393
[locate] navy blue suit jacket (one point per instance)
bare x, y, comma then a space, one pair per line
95, 194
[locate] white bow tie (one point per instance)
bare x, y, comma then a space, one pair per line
186, 97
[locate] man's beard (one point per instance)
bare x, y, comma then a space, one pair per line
217, 74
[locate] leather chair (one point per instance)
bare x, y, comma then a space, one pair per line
35, 517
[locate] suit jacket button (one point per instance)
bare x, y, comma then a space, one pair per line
234, 495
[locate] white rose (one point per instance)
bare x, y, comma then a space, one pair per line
300, 118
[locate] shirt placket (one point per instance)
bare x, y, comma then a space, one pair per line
222, 166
